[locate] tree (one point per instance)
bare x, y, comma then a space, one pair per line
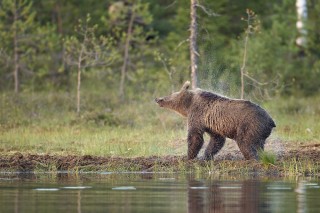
126, 52
193, 43
249, 30
87, 51
129, 24
302, 13
17, 29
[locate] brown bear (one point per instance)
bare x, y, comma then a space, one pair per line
221, 117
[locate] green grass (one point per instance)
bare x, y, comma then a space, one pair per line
107, 141
297, 119
301, 167
46, 123
267, 158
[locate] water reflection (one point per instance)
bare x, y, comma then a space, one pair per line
229, 196
154, 193
79, 202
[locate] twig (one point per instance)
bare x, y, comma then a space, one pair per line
206, 11
170, 5
254, 80
182, 42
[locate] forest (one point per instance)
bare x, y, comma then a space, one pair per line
80, 76
42, 41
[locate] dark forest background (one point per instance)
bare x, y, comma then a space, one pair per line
41, 42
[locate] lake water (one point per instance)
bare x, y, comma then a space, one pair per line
106, 192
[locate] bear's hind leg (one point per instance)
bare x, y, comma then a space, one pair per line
195, 142
249, 149
261, 144
215, 144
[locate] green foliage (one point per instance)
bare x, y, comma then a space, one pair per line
36, 45
96, 118
158, 63
295, 167
267, 158
86, 49
296, 118
289, 67
274, 61
46, 122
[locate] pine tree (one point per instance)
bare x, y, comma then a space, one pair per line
17, 35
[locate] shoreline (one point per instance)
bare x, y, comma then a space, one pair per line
302, 161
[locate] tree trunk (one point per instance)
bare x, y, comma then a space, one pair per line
244, 61
57, 11
126, 57
193, 44
250, 14
79, 80
302, 13
15, 50
78, 88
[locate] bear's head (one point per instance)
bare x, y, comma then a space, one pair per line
178, 101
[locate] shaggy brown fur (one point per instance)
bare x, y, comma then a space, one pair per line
243, 121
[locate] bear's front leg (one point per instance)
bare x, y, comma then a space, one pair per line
195, 142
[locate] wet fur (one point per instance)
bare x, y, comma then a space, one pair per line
221, 117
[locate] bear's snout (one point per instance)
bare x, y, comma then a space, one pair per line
158, 100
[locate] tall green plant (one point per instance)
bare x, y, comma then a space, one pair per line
86, 51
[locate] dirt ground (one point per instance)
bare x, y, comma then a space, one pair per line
230, 156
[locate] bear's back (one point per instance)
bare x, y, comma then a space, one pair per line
225, 115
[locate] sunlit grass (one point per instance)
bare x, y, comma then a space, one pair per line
296, 167
296, 118
107, 141
267, 158
48, 124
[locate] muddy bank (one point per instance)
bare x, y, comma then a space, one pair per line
31, 162
303, 160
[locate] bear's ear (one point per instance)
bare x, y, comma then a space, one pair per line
186, 86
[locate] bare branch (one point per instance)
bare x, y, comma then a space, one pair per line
170, 72
170, 5
196, 52
204, 9
254, 80
181, 43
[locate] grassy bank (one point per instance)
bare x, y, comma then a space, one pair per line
296, 118
45, 123
107, 141
292, 164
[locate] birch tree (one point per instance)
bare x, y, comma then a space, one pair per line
302, 15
